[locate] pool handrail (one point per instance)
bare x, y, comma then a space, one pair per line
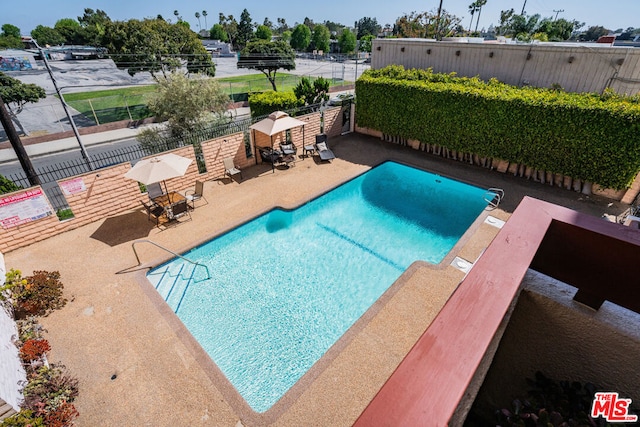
133, 246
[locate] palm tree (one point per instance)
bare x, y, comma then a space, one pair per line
204, 13
479, 4
198, 18
473, 8
177, 15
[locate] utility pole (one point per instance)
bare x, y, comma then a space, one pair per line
21, 153
65, 107
438, 21
557, 12
525, 3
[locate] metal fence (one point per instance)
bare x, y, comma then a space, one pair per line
51, 173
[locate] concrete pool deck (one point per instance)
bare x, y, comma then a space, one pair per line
113, 323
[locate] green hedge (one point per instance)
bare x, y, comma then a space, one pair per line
265, 103
591, 137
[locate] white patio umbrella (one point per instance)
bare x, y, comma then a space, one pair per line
159, 168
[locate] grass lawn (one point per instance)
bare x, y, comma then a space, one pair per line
131, 102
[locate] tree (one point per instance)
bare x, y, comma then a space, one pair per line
473, 8
286, 36
217, 32
426, 25
367, 26
17, 94
204, 15
156, 46
263, 32
334, 27
365, 43
71, 30
9, 30
347, 42
300, 37
479, 5
10, 37
14, 92
245, 29
230, 25
267, 57
188, 103
312, 93
282, 25
267, 23
93, 23
197, 15
521, 27
47, 36
309, 23
320, 38
593, 33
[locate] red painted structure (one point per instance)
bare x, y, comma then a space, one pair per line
596, 256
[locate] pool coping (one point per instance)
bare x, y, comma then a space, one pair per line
282, 405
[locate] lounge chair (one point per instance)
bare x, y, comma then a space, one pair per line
193, 196
230, 168
322, 149
154, 211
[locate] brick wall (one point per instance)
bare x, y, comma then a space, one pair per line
107, 192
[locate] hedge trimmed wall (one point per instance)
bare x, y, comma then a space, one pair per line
591, 137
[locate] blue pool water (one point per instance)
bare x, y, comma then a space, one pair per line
287, 285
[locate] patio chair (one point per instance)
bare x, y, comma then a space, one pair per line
178, 210
269, 155
193, 196
322, 149
154, 211
154, 190
230, 168
288, 149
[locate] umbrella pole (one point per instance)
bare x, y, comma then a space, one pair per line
166, 191
273, 168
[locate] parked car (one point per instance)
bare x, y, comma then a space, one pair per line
342, 99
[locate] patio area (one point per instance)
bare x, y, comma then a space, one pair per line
135, 364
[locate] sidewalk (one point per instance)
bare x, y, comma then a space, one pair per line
88, 140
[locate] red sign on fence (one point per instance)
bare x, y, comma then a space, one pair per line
23, 207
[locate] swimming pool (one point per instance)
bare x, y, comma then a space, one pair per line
288, 284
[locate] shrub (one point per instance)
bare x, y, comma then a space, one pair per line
34, 350
586, 136
551, 403
265, 103
24, 418
29, 329
7, 186
34, 295
48, 388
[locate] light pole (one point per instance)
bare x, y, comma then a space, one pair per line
83, 151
